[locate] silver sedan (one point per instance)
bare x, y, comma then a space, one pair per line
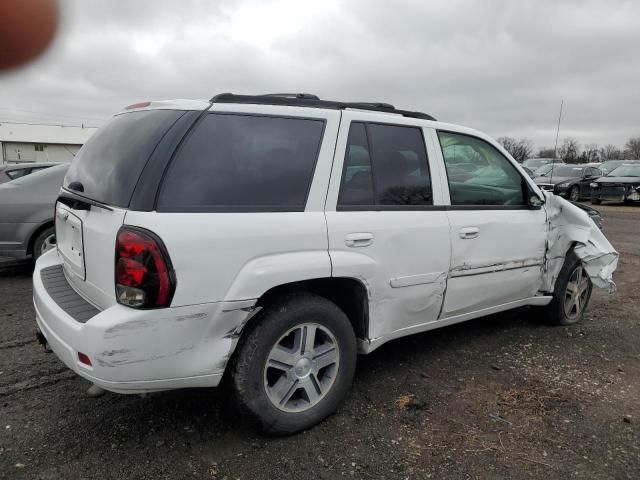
26, 213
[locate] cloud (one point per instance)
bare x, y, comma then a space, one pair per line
499, 66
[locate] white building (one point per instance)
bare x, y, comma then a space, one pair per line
29, 142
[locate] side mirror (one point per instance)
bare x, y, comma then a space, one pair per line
534, 201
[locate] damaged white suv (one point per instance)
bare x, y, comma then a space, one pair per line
268, 239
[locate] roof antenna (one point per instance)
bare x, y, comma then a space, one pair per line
555, 148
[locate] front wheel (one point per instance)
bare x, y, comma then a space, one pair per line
296, 364
571, 293
574, 195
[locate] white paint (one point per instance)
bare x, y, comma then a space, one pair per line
422, 269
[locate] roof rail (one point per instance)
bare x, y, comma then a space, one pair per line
309, 100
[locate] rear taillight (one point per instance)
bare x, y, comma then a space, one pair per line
144, 275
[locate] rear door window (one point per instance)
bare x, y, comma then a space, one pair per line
109, 164
235, 162
385, 165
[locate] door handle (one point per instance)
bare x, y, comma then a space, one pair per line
362, 239
467, 233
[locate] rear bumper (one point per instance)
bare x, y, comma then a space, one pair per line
135, 351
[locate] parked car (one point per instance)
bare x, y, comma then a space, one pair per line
610, 165
26, 212
569, 181
529, 172
545, 170
275, 237
621, 184
535, 163
11, 172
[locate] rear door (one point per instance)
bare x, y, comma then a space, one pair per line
105, 170
498, 242
386, 224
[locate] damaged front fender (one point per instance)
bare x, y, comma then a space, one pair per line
568, 227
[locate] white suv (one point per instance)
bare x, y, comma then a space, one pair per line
269, 239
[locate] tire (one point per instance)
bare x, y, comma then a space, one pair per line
574, 193
564, 310
44, 242
281, 385
595, 201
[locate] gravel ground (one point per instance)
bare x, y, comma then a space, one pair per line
499, 397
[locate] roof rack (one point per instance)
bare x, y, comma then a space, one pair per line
310, 100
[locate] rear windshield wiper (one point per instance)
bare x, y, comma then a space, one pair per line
78, 202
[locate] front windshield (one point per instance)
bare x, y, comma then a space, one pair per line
625, 171
567, 171
40, 175
545, 169
607, 167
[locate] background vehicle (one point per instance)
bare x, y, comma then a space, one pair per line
621, 184
26, 212
273, 237
610, 165
569, 181
12, 172
535, 163
545, 170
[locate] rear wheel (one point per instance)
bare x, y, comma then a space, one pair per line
296, 364
44, 242
571, 293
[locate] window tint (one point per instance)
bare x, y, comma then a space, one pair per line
110, 163
244, 162
478, 173
357, 184
385, 165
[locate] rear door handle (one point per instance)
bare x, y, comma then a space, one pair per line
467, 233
361, 239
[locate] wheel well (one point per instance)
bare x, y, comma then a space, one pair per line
35, 234
347, 293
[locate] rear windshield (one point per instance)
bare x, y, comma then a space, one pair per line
235, 162
110, 163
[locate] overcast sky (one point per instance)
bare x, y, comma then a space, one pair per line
500, 66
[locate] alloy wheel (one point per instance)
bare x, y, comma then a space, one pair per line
301, 367
576, 294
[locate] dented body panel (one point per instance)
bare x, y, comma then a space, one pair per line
422, 268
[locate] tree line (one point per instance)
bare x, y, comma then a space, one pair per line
570, 151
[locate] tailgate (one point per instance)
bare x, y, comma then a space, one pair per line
86, 245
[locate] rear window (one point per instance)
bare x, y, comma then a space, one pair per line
42, 176
109, 164
236, 162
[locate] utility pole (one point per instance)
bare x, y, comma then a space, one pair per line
555, 148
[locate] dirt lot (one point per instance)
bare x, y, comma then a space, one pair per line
499, 397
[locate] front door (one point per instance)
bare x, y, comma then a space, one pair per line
498, 242
383, 226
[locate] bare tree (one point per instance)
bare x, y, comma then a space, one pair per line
520, 149
568, 151
632, 148
590, 154
610, 152
545, 152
